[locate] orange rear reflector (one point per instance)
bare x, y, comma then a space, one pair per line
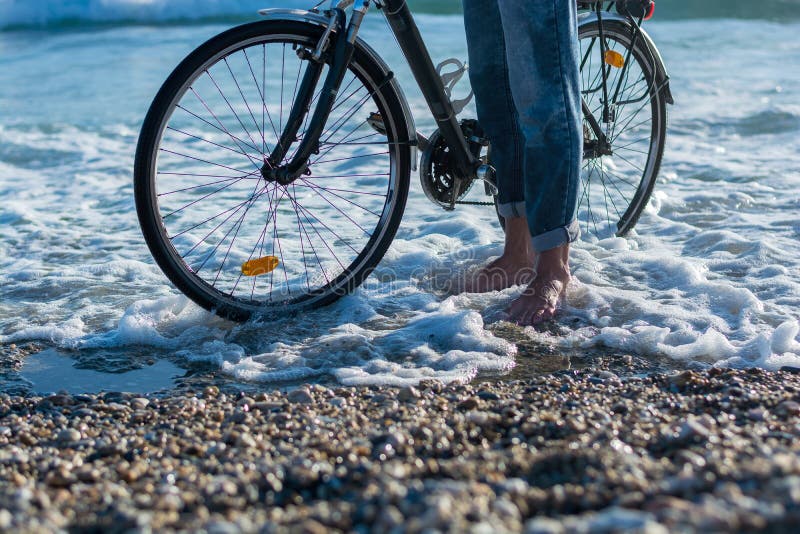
260, 266
615, 59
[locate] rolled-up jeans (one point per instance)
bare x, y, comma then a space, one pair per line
524, 69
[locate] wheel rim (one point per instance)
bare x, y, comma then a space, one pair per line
614, 188
218, 213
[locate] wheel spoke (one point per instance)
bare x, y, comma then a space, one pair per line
221, 128
317, 189
220, 212
246, 103
200, 186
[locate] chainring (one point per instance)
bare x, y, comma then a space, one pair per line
436, 174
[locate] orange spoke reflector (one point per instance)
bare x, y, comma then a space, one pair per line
615, 59
260, 266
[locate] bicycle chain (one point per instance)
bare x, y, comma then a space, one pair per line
473, 203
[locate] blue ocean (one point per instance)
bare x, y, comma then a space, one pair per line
709, 277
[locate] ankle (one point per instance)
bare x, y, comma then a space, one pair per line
554, 263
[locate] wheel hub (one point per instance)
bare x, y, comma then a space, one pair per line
596, 148
281, 175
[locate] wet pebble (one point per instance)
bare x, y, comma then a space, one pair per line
713, 450
300, 396
68, 436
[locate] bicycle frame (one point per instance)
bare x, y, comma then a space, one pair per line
340, 37
339, 40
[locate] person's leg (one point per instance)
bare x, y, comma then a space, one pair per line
542, 52
498, 116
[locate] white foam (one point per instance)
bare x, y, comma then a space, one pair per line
447, 344
710, 274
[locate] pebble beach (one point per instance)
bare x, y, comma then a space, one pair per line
666, 398
575, 451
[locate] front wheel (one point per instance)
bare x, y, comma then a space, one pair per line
617, 180
227, 234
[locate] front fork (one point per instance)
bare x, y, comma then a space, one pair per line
344, 47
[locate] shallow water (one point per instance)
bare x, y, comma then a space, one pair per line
710, 276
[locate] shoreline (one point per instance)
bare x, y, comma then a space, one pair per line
572, 451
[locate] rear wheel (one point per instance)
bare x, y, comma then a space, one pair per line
616, 187
230, 238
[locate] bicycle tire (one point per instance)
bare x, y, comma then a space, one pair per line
364, 69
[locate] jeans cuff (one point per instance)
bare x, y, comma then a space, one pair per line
511, 209
556, 238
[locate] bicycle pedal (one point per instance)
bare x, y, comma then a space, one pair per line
260, 266
488, 175
375, 120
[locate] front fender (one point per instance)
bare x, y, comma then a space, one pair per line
662, 77
299, 15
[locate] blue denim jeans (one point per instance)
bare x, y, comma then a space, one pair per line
524, 69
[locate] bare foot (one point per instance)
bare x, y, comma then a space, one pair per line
539, 301
514, 267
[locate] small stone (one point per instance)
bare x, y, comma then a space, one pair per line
788, 408
88, 475
115, 407
26, 439
691, 458
506, 509
246, 440
322, 390
682, 379
61, 400
408, 394
757, 414
221, 527
468, 404
211, 391
6, 519
266, 406
68, 436
300, 396
59, 479
245, 402
544, 525
140, 403
620, 407
310, 526
238, 416
691, 429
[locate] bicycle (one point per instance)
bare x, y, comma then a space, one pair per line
274, 164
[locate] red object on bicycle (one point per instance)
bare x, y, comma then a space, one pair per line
651, 11
636, 8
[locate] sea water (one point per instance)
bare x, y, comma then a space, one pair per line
710, 276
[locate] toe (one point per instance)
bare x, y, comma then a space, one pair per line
537, 318
527, 319
548, 314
